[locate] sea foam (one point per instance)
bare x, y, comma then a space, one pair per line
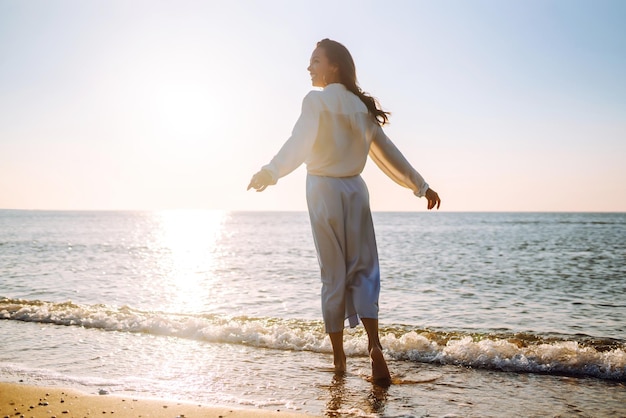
567, 355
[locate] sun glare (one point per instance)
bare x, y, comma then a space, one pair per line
189, 239
182, 109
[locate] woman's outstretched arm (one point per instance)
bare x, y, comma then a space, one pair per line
295, 150
391, 161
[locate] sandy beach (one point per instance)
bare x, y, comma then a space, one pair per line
20, 400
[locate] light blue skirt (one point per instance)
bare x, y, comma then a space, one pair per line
343, 232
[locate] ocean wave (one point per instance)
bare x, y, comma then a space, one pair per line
575, 355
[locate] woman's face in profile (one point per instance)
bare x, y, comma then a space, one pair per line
322, 72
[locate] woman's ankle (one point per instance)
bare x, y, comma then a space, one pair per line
339, 360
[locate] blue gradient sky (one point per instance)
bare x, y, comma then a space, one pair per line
502, 106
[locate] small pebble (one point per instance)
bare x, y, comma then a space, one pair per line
65, 412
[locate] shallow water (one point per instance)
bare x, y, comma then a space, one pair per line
486, 314
146, 365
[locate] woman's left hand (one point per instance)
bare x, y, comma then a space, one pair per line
260, 181
433, 199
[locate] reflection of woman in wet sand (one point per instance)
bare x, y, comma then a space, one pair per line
336, 131
340, 395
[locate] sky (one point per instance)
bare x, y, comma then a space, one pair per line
150, 105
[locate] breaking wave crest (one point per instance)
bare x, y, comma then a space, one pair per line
577, 355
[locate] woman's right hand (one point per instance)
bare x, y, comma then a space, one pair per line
433, 198
260, 181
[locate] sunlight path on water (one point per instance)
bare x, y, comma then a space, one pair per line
188, 242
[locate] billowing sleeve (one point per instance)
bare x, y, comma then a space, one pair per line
391, 161
296, 149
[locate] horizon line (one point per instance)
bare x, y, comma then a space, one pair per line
305, 211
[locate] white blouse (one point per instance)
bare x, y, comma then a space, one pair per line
333, 137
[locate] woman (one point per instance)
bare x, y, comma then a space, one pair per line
338, 128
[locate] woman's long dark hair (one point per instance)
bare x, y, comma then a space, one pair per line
339, 55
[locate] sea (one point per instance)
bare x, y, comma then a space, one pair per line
481, 314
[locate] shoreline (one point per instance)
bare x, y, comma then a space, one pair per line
27, 400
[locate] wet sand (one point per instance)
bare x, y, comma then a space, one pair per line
19, 400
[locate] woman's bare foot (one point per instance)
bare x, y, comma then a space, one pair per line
380, 371
339, 356
340, 363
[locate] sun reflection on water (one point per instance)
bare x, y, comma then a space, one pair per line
189, 250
